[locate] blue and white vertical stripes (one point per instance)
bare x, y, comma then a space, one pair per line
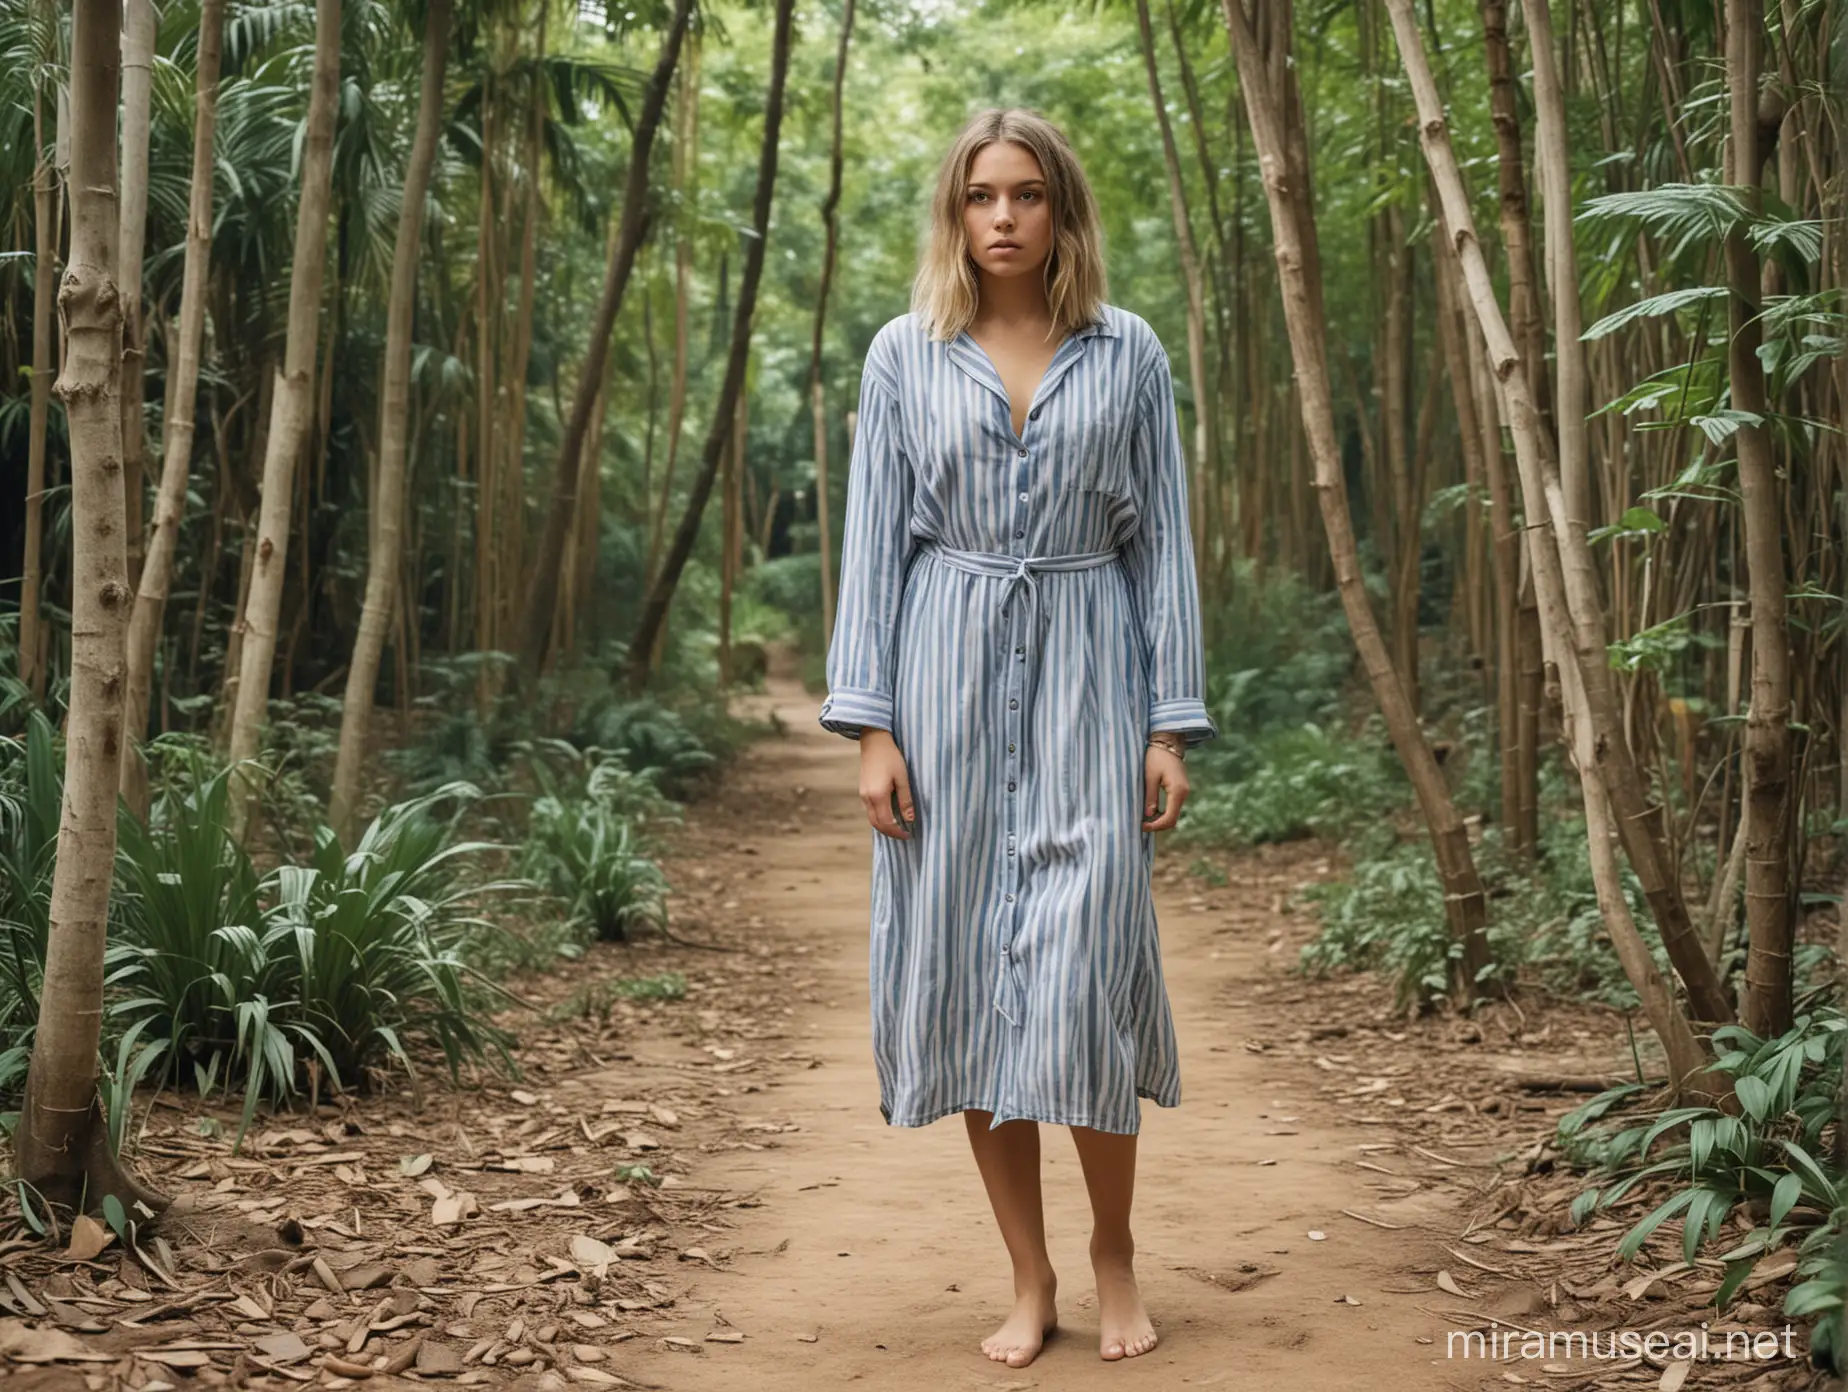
1020, 611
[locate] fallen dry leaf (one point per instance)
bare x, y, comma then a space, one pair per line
454, 1209
88, 1238
23, 1344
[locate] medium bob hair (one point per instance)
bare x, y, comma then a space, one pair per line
945, 293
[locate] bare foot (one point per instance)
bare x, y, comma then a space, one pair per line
1017, 1342
1126, 1328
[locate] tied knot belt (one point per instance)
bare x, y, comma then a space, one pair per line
1019, 572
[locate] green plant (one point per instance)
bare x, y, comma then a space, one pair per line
188, 958
589, 855
595, 1000
1770, 1155
371, 943
646, 735
1387, 917
1304, 780
345, 961
31, 797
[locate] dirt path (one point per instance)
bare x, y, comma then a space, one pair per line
873, 1256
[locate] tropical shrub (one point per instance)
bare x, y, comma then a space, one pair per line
31, 798
585, 845
1771, 1161
326, 969
645, 735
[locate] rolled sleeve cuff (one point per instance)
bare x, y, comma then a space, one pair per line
847, 712
1187, 716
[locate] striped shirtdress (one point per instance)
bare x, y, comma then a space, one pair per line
1020, 612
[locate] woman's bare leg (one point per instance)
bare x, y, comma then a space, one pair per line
1009, 1157
1109, 1163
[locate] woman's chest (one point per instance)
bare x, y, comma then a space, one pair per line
1077, 436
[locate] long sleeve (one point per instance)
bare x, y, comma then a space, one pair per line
876, 546
1160, 560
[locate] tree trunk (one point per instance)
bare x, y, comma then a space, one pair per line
1767, 1002
62, 1145
145, 622
137, 90
1552, 166
1510, 172
386, 548
1293, 226
1569, 610
818, 401
1397, 514
661, 593
1480, 440
686, 172
542, 595
46, 201
1191, 283
730, 505
291, 411
488, 297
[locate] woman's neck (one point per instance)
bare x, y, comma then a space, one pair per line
1011, 302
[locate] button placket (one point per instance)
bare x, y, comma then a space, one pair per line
1016, 736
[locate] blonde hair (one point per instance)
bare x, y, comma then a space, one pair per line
946, 292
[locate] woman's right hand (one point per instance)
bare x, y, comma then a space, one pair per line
883, 772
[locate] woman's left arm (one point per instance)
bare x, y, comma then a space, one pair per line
1159, 558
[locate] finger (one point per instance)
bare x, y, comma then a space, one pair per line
906, 807
1151, 782
879, 808
1177, 794
877, 812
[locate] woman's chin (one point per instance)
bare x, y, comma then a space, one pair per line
1006, 266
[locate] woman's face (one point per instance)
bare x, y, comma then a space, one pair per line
1005, 211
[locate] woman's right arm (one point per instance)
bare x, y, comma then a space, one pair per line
876, 547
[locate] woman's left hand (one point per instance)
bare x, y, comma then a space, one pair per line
1162, 768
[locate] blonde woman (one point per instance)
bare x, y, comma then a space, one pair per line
1017, 651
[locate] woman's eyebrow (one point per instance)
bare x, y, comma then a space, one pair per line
1023, 183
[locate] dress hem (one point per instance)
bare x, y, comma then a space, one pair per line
1046, 1117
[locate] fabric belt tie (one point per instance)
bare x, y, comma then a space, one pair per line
1019, 572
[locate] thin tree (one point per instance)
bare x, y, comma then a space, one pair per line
46, 202
542, 593
137, 92
62, 1148
291, 409
686, 190
818, 404
386, 534
1205, 468
1271, 103
653, 619
145, 622
1767, 1001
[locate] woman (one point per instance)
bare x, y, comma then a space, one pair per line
1017, 650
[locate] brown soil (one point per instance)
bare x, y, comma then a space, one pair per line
1339, 1190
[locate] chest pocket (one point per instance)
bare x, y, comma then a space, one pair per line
1096, 459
